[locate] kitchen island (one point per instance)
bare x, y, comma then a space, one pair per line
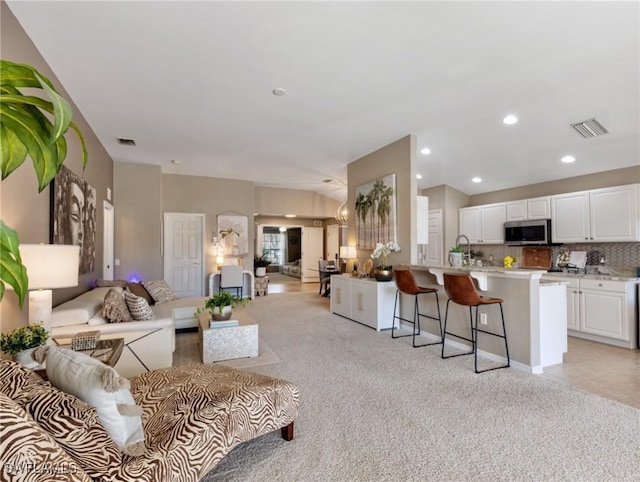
535, 313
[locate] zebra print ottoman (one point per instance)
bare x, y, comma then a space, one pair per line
194, 415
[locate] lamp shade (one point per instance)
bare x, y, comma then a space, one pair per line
348, 252
51, 265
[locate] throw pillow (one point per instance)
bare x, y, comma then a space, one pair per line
102, 283
114, 308
28, 450
138, 307
139, 290
160, 291
101, 387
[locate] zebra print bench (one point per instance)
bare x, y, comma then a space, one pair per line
192, 417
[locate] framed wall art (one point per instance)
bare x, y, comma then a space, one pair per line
376, 220
233, 233
73, 216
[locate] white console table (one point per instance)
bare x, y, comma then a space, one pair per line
248, 283
365, 300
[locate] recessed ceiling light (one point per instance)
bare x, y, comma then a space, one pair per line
476, 180
279, 91
289, 215
510, 120
175, 161
425, 150
418, 176
568, 159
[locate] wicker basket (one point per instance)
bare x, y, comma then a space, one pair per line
85, 341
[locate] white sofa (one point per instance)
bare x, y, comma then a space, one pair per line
148, 344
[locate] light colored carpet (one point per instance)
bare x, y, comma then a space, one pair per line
376, 409
187, 352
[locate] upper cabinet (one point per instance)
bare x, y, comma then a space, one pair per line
483, 224
600, 215
522, 210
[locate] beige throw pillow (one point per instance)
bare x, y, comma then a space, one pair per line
138, 307
160, 291
114, 308
101, 387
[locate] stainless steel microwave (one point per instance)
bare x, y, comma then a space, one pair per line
534, 231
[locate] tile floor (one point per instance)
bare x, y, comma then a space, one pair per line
605, 370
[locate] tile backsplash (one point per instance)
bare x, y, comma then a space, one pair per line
616, 255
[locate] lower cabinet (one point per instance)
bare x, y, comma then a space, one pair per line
366, 300
602, 310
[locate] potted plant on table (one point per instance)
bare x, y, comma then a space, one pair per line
260, 263
220, 304
384, 271
22, 342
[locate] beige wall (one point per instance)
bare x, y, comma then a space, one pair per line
449, 200
21, 207
307, 204
396, 158
617, 177
138, 214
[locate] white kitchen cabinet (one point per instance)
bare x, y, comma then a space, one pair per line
365, 300
524, 209
483, 224
601, 310
600, 215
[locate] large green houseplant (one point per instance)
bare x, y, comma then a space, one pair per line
35, 127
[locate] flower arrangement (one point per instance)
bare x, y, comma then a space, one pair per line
23, 338
382, 250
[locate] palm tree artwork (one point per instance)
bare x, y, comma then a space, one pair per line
375, 206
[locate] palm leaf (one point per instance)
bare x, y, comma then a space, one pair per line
13, 151
13, 272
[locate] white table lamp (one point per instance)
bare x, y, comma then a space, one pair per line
48, 266
347, 253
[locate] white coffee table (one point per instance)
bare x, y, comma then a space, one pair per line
219, 344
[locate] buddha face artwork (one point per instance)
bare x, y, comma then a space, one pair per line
73, 217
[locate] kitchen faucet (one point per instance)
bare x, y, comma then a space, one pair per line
468, 255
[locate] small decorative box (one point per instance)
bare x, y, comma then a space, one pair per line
85, 341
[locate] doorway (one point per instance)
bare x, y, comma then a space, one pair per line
108, 242
183, 253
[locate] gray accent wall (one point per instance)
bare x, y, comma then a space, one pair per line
21, 206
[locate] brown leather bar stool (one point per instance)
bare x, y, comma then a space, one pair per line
462, 291
406, 283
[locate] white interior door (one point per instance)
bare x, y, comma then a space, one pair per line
332, 251
183, 253
434, 248
107, 249
311, 253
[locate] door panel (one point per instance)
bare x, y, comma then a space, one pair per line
183, 254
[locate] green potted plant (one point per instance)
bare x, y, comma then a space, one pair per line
34, 127
260, 263
22, 342
456, 256
220, 304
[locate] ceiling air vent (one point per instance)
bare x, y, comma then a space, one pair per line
327, 181
126, 142
590, 128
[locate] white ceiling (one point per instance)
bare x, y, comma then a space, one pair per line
193, 81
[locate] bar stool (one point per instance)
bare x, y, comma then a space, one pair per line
462, 291
406, 283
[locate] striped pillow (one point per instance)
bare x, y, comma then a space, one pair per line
138, 307
160, 291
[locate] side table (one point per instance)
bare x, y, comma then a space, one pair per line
107, 351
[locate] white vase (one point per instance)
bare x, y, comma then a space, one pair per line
24, 358
261, 271
455, 259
